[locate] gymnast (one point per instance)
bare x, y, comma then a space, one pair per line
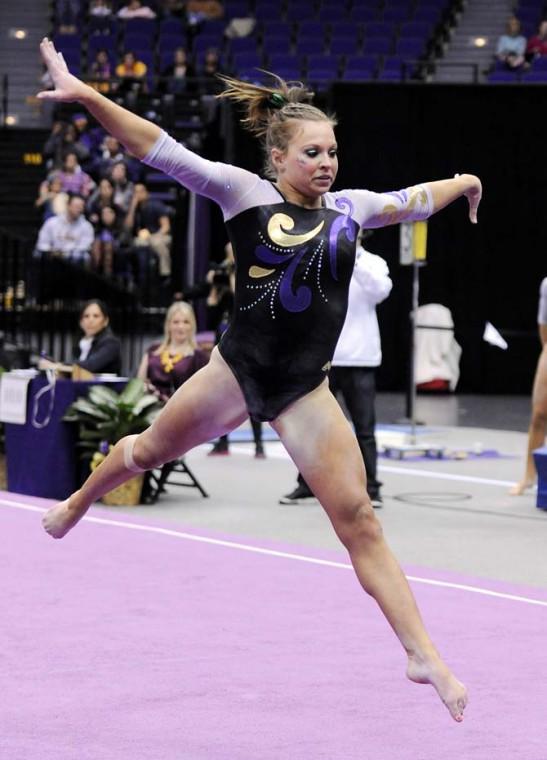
294, 243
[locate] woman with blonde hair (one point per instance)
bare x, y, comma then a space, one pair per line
294, 243
167, 365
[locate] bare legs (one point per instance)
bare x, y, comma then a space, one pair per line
538, 424
323, 447
209, 404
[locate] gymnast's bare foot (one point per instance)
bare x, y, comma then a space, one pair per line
451, 691
58, 520
519, 488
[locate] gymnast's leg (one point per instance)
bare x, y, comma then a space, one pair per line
322, 445
538, 424
209, 404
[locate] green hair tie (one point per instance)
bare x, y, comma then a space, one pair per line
276, 100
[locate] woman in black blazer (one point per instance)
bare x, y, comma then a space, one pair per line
99, 349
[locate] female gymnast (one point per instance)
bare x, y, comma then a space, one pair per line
538, 422
294, 244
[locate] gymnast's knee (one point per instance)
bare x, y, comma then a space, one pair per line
358, 524
139, 455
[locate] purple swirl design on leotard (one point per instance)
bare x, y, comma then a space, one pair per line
339, 224
293, 301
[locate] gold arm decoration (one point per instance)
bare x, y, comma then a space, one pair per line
256, 272
278, 225
391, 214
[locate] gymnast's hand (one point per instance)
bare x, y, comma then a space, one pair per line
67, 87
473, 194
58, 520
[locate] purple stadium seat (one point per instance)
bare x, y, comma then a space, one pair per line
289, 74
246, 61
102, 25
362, 62
323, 62
267, 11
283, 61
417, 29
311, 29
411, 48
236, 9
171, 26
243, 45
396, 15
300, 11
101, 42
345, 29
344, 46
535, 76
144, 26
310, 46
360, 74
276, 45
379, 45
503, 77
66, 42
277, 29
363, 14
428, 16
137, 42
206, 41
540, 64
172, 41
327, 15
378, 29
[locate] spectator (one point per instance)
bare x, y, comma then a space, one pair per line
131, 73
204, 10
107, 241
68, 235
123, 187
100, 72
98, 350
52, 200
100, 8
175, 76
176, 8
537, 44
86, 137
148, 221
512, 45
209, 71
73, 178
63, 138
135, 9
110, 154
167, 365
101, 197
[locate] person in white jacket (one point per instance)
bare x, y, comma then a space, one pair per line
353, 373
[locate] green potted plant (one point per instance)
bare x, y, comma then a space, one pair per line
104, 417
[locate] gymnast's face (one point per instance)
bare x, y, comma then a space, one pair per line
310, 163
93, 320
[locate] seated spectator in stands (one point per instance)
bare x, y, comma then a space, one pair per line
98, 350
100, 8
68, 16
149, 223
204, 10
108, 238
101, 197
537, 45
110, 153
69, 235
176, 8
100, 72
123, 187
512, 45
52, 200
131, 74
167, 365
209, 81
174, 78
73, 178
63, 138
135, 9
86, 136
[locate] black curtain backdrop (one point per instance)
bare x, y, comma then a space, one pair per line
392, 136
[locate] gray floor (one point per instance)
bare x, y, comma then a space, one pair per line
443, 515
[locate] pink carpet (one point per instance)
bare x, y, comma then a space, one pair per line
120, 644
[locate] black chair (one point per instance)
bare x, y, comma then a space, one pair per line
157, 480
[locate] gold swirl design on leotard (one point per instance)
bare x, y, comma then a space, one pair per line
256, 272
392, 214
278, 225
